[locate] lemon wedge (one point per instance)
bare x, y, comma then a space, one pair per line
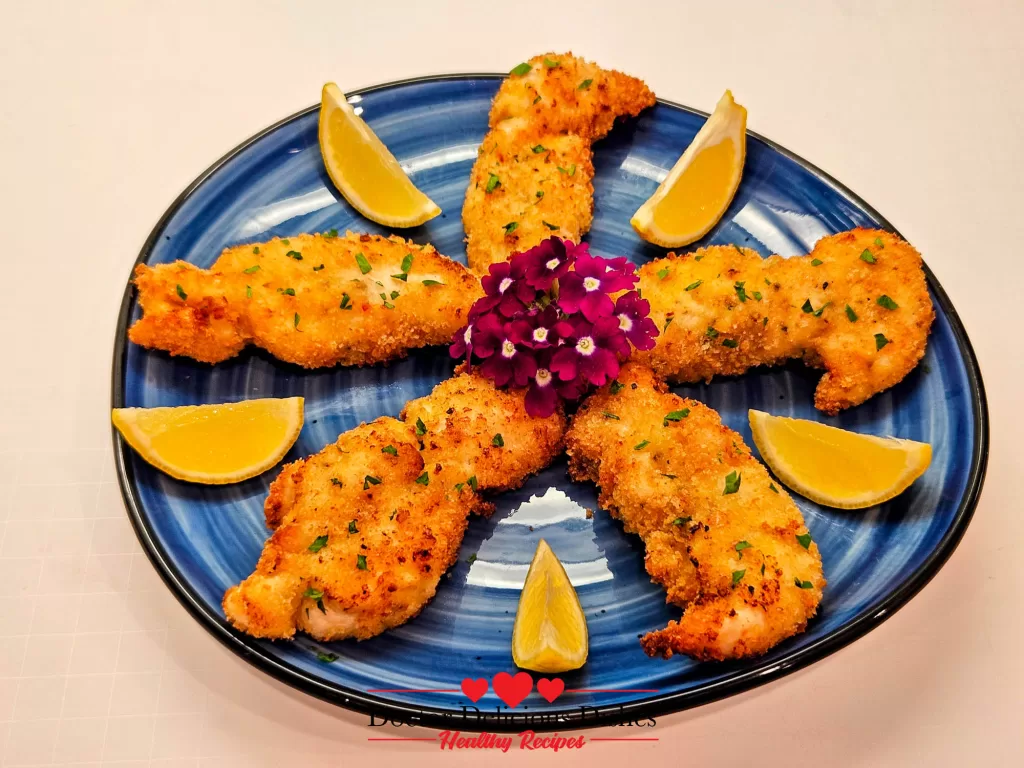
213, 444
550, 633
702, 183
363, 169
835, 467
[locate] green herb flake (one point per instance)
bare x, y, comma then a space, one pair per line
694, 286
816, 262
285, 242
616, 386
286, 291
764, 322
401, 276
711, 333
361, 562
364, 265
424, 479
181, 292
538, 148
804, 539
549, 226
668, 322
326, 658
807, 307
675, 416
885, 301
248, 291
336, 481
803, 584
459, 486
880, 341
512, 226
493, 182
756, 295
472, 482
521, 69
681, 520
352, 527
772, 488
421, 428
471, 559
740, 546
346, 301
866, 256
732, 483
313, 594
850, 314
317, 269
253, 268
370, 480
537, 99
432, 282
388, 305
498, 441
663, 273
551, 64
740, 291
294, 255
641, 445
540, 193
256, 249
395, 295
407, 263
318, 543
609, 415
331, 233
822, 308
584, 85
879, 243
737, 576
730, 343
389, 449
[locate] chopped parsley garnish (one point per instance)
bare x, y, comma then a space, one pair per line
286, 291
879, 243
740, 292
181, 292
407, 263
549, 226
493, 182
584, 85
740, 546
885, 301
764, 322
361, 562
395, 294
294, 255
819, 310
472, 482
616, 386
424, 479
512, 226
537, 99
730, 343
641, 445
297, 319
498, 441
364, 265
370, 480
732, 483
711, 333
551, 64
421, 428
432, 282
403, 276
737, 576
346, 301
668, 322
692, 286
803, 584
663, 273
772, 488
850, 314
318, 543
756, 295
540, 193
253, 268
336, 481
326, 658
609, 415
286, 242
256, 249
317, 269
570, 172
804, 539
681, 520
352, 527
521, 69
313, 594
866, 256
471, 559
807, 307
538, 148
331, 233
816, 262
390, 449
880, 341
675, 416
248, 291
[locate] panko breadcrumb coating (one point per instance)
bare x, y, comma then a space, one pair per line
533, 176
364, 529
857, 306
726, 542
313, 300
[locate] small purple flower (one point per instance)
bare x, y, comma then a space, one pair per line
592, 352
509, 362
541, 329
549, 261
586, 289
632, 313
542, 396
505, 289
485, 336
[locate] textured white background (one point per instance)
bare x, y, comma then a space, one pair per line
108, 110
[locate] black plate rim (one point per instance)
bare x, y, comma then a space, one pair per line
650, 707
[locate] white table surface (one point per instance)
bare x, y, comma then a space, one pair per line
108, 110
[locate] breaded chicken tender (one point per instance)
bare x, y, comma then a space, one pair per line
364, 529
313, 300
728, 544
857, 306
533, 176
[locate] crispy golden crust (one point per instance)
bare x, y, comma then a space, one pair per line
265, 295
701, 293
407, 527
536, 160
665, 479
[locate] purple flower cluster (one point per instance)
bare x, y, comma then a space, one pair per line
547, 321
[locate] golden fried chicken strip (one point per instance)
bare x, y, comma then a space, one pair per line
364, 529
313, 300
721, 537
857, 306
533, 175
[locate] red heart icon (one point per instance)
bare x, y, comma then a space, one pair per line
550, 689
512, 689
474, 689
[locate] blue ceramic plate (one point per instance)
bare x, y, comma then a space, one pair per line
205, 538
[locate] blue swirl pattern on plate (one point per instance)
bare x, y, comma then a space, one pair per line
205, 538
